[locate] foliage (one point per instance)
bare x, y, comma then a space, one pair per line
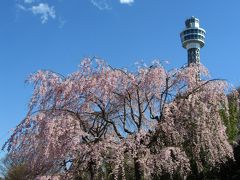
14, 170
100, 123
231, 116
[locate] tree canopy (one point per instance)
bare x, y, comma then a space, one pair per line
102, 123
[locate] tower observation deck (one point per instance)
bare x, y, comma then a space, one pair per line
193, 39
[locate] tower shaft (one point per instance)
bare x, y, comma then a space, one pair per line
193, 56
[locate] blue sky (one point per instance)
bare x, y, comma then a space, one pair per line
57, 34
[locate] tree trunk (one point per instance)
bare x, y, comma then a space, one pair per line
137, 169
91, 169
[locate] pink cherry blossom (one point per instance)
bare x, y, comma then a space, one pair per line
154, 120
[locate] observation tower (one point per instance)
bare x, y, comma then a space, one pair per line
193, 39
